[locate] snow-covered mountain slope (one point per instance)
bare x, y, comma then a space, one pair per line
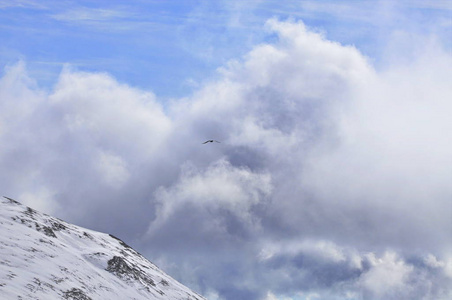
42, 257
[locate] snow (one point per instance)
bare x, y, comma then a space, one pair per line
42, 257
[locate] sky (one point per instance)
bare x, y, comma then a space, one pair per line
333, 176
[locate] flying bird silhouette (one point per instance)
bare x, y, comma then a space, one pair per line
210, 141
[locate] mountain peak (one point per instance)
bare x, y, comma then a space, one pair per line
43, 257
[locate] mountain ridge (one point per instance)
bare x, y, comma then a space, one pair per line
43, 257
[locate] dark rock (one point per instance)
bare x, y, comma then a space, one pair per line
118, 266
75, 294
57, 226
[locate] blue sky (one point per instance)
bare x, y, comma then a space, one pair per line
332, 178
171, 46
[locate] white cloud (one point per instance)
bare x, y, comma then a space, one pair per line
433, 262
448, 267
113, 169
19, 93
387, 274
221, 186
41, 199
392, 149
271, 296
325, 251
303, 64
112, 114
88, 125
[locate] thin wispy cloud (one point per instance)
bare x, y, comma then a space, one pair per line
22, 4
85, 14
115, 20
436, 4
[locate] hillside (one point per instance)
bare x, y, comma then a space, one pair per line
42, 257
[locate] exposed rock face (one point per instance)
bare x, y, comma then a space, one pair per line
118, 266
42, 257
75, 294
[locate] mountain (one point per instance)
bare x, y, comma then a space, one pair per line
42, 257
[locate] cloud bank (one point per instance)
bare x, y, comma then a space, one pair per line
332, 179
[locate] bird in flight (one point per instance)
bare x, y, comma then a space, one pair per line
210, 141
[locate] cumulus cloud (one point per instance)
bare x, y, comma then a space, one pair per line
386, 275
85, 139
113, 169
220, 186
353, 153
332, 180
209, 208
